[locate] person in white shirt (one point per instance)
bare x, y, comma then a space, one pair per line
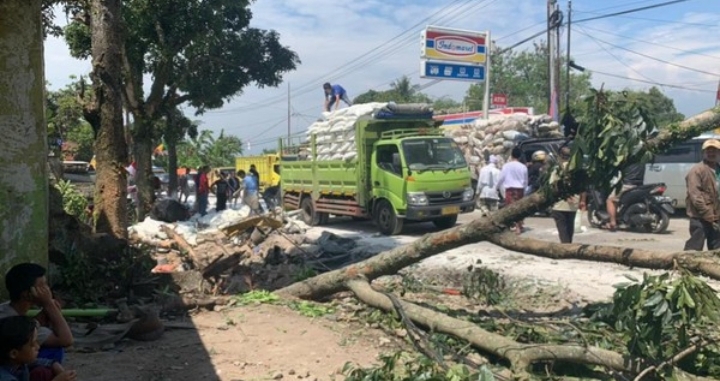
488, 181
514, 179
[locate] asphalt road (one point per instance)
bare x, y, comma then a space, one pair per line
543, 228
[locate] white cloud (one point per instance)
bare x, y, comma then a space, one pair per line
328, 35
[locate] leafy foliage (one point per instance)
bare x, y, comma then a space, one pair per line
613, 134
661, 316
85, 276
65, 120
400, 367
523, 77
204, 50
485, 284
206, 149
74, 203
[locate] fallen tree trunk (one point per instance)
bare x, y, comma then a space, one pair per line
520, 355
705, 262
391, 261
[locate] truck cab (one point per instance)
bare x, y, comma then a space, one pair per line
423, 178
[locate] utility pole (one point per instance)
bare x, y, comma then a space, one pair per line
567, 58
557, 20
288, 112
553, 35
486, 96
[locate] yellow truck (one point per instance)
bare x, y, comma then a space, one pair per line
268, 167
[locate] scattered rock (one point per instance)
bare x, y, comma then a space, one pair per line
277, 376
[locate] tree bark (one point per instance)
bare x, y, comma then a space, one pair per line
520, 355
391, 261
110, 212
143, 147
23, 157
706, 263
172, 167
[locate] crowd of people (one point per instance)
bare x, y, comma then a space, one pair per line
509, 182
228, 187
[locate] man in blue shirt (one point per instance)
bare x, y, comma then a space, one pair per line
333, 95
250, 196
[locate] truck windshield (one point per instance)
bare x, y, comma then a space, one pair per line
432, 153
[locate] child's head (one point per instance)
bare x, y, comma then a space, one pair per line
20, 280
18, 340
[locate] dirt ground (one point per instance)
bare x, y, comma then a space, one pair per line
246, 343
267, 342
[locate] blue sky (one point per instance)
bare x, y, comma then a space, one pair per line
367, 45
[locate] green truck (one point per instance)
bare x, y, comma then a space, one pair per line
404, 169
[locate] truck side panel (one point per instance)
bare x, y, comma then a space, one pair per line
338, 179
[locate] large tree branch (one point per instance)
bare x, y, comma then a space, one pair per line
520, 355
391, 261
706, 263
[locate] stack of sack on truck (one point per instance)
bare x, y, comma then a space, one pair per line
335, 133
498, 135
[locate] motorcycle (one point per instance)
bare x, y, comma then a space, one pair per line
642, 208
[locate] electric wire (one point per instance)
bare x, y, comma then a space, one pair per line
374, 54
654, 43
652, 58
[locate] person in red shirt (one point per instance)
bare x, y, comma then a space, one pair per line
203, 190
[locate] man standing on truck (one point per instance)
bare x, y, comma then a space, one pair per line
632, 176
702, 203
333, 95
514, 179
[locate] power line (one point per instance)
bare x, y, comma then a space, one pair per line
654, 43
681, 87
361, 60
617, 6
614, 56
653, 58
630, 11
666, 21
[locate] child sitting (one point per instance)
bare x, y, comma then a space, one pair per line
19, 349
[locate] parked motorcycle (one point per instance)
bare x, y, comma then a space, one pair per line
642, 208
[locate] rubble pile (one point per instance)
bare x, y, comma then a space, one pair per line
231, 252
498, 135
335, 136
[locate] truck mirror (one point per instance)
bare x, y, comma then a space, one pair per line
396, 159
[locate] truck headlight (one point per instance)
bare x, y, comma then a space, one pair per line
468, 194
417, 198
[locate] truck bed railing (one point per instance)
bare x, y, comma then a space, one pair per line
401, 133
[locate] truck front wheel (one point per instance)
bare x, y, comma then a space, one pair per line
308, 212
445, 222
387, 220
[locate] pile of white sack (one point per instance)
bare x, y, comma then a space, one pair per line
498, 135
335, 135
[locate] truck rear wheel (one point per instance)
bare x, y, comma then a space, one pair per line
445, 222
308, 212
387, 220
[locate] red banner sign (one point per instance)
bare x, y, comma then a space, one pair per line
499, 100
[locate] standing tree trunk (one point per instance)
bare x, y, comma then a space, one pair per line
172, 167
111, 153
142, 150
23, 157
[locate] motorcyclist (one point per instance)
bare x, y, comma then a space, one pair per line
632, 176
